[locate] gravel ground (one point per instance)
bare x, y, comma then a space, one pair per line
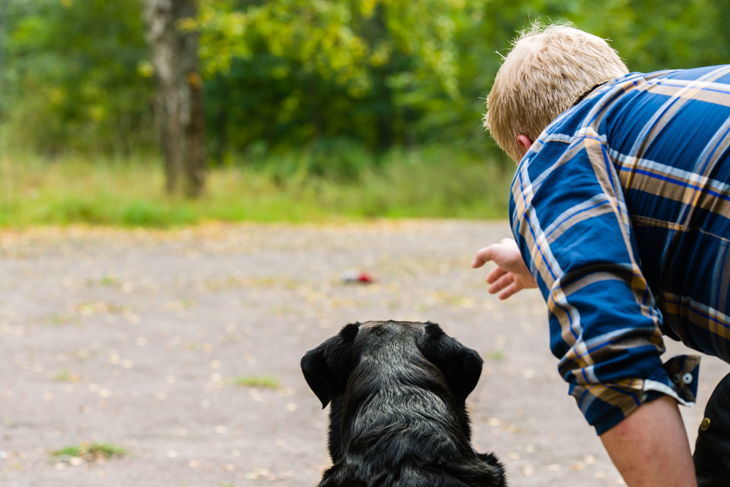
141, 339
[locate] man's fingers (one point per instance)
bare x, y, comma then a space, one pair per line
495, 274
501, 283
482, 256
509, 291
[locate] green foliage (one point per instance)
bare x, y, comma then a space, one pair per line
90, 451
655, 34
267, 382
283, 74
346, 92
433, 181
66, 376
73, 76
146, 214
70, 451
495, 354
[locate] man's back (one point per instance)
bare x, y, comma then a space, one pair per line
668, 135
625, 201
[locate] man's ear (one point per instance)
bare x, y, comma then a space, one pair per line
524, 143
325, 367
460, 365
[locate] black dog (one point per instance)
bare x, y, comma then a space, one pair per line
398, 416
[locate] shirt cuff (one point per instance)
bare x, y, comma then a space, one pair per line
682, 373
606, 405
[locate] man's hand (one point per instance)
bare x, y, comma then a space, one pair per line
511, 274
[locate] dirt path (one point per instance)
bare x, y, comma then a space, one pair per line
138, 338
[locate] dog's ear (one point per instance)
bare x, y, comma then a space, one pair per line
324, 367
317, 373
460, 365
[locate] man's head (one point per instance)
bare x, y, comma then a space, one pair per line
546, 71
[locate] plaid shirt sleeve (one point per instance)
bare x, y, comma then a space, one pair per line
570, 221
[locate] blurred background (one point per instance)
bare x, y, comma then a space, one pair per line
171, 357
286, 110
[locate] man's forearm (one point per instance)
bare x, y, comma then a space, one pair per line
650, 447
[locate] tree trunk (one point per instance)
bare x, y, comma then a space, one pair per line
179, 104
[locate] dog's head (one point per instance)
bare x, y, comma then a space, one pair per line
397, 391
327, 368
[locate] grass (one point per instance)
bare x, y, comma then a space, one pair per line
103, 281
430, 182
90, 451
264, 381
495, 355
66, 376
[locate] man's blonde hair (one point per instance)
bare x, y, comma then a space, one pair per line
547, 70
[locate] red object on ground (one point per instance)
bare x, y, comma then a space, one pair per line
365, 278
357, 277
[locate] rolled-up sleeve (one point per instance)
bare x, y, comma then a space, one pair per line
569, 218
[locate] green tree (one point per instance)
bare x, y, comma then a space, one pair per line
75, 75
317, 76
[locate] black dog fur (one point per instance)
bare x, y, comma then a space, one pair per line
398, 417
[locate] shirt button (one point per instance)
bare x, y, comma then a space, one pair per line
687, 378
705, 424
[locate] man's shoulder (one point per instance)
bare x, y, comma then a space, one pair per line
618, 104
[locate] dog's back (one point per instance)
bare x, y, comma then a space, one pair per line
398, 416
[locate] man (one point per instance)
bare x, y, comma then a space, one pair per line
620, 207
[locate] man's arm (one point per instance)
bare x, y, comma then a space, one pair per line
574, 232
650, 447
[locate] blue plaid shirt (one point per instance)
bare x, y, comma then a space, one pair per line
621, 210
